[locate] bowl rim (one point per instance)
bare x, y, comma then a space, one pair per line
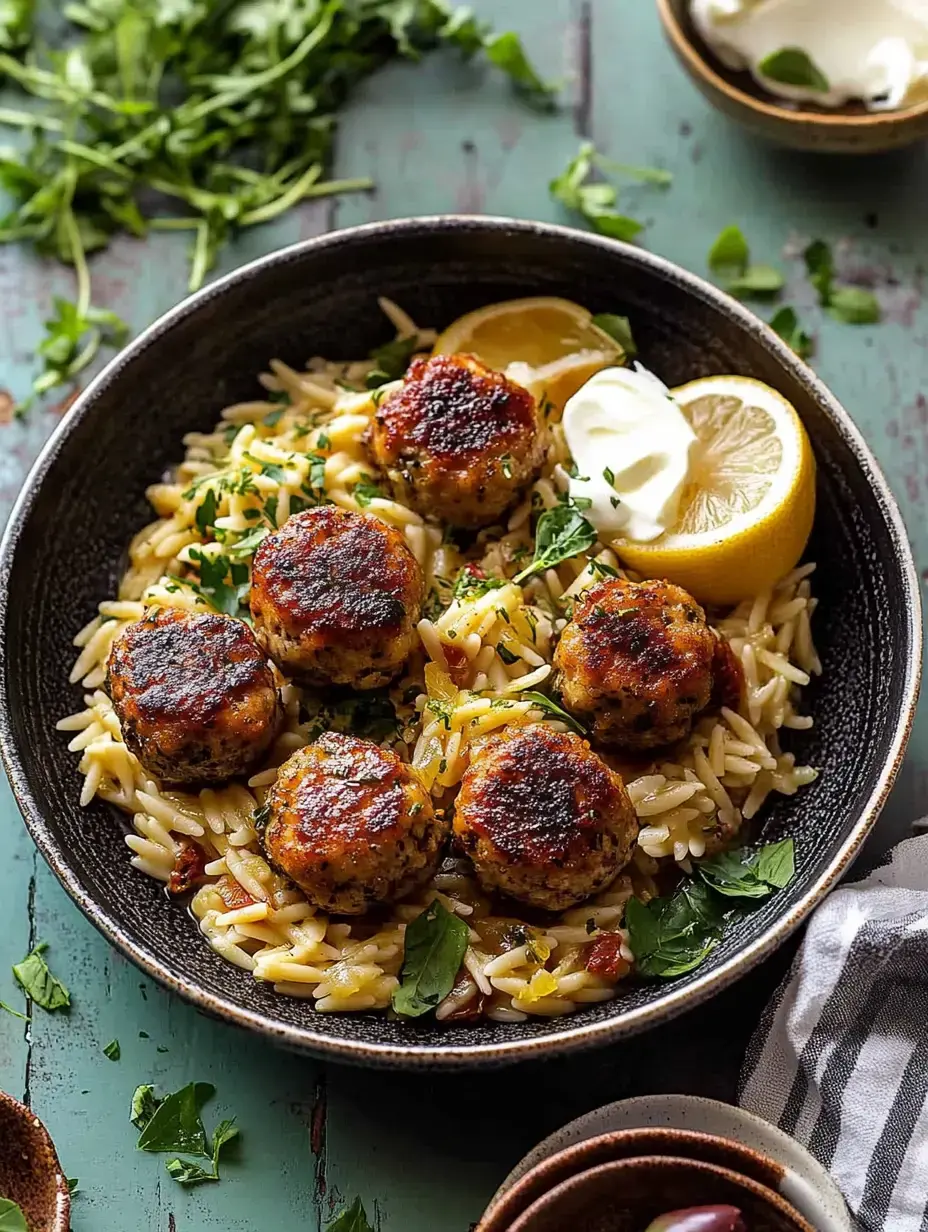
661, 1163
563, 1038
834, 122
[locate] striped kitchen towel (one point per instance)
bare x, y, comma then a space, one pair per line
840, 1059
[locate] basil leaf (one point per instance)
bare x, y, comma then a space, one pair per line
619, 329
854, 306
552, 708
73, 1184
187, 1172
352, 1219
249, 543
792, 66
776, 863
176, 1124
729, 255
785, 322
562, 533
436, 942
820, 267
144, 1101
757, 281
112, 1051
39, 984
672, 936
12, 1218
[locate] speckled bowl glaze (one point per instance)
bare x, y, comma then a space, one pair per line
85, 498
30, 1174
625, 1195
844, 130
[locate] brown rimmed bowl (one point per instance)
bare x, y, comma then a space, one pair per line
843, 130
625, 1195
30, 1174
66, 540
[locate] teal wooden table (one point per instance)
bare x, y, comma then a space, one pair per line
425, 1154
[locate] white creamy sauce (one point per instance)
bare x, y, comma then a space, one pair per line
631, 447
875, 51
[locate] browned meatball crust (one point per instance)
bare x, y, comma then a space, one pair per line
636, 662
352, 825
194, 693
458, 441
543, 819
336, 597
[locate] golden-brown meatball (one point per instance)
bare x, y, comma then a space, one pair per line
543, 819
194, 693
458, 441
336, 597
636, 662
352, 825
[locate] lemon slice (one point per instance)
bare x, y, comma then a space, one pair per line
550, 345
747, 508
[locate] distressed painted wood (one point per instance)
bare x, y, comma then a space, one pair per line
426, 1153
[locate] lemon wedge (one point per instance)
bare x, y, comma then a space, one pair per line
747, 508
549, 345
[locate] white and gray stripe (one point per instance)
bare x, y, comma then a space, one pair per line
840, 1059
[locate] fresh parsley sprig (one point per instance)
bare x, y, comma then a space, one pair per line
730, 258
596, 201
562, 533
851, 305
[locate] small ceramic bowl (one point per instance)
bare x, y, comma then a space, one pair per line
30, 1174
844, 130
625, 1195
803, 1182
628, 1144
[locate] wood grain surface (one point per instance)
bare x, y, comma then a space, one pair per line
425, 1154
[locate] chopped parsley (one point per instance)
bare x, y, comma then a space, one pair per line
596, 202
222, 594
365, 490
112, 1050
472, 583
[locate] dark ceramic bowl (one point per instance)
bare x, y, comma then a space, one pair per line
30, 1174
67, 537
625, 1195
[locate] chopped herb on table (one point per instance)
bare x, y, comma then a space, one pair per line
730, 258
785, 322
352, 1219
672, 936
174, 1123
851, 305
435, 944
596, 202
193, 117
39, 984
112, 1050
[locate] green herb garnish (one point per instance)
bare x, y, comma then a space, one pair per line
785, 322
364, 491
730, 258
187, 1172
112, 1050
174, 1123
435, 944
225, 596
820, 267
12, 1218
619, 329
750, 874
39, 984
391, 360
851, 305
545, 703
248, 544
757, 282
597, 201
791, 66
469, 584
352, 1219
562, 533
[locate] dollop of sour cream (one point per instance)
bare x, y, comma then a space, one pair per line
631, 447
875, 51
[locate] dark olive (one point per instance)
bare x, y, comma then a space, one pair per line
700, 1219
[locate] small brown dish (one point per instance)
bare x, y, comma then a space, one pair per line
625, 1195
30, 1174
628, 1144
843, 130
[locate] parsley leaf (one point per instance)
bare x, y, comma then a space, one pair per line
472, 583
729, 255
222, 595
854, 306
597, 201
820, 268
556, 711
249, 543
365, 490
206, 511
16, 22
352, 1219
757, 282
785, 322
391, 360
39, 984
435, 945
112, 1050
619, 329
562, 533
792, 66
175, 1123
505, 50
12, 1218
